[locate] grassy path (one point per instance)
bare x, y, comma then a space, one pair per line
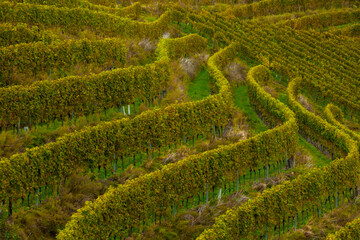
243, 103
318, 158
200, 87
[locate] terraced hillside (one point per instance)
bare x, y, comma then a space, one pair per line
179, 120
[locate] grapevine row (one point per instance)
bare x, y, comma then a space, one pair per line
274, 7
173, 48
323, 20
45, 101
350, 31
289, 63
335, 116
131, 11
81, 95
267, 212
21, 33
156, 192
77, 19
265, 45
350, 232
32, 58
106, 143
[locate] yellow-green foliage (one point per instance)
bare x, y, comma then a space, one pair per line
144, 195
185, 178
133, 204
262, 75
181, 47
350, 232
78, 19
273, 7
335, 139
21, 33
131, 11
48, 100
30, 58
335, 111
326, 19
276, 204
335, 116
323, 61
81, 95
95, 146
352, 31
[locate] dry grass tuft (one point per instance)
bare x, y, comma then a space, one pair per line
202, 57
179, 154
166, 35
270, 90
177, 91
190, 66
147, 45
305, 103
140, 53
235, 73
259, 187
302, 159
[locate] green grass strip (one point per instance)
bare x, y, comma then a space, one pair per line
200, 87
242, 101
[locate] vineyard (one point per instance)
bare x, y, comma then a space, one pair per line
193, 119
